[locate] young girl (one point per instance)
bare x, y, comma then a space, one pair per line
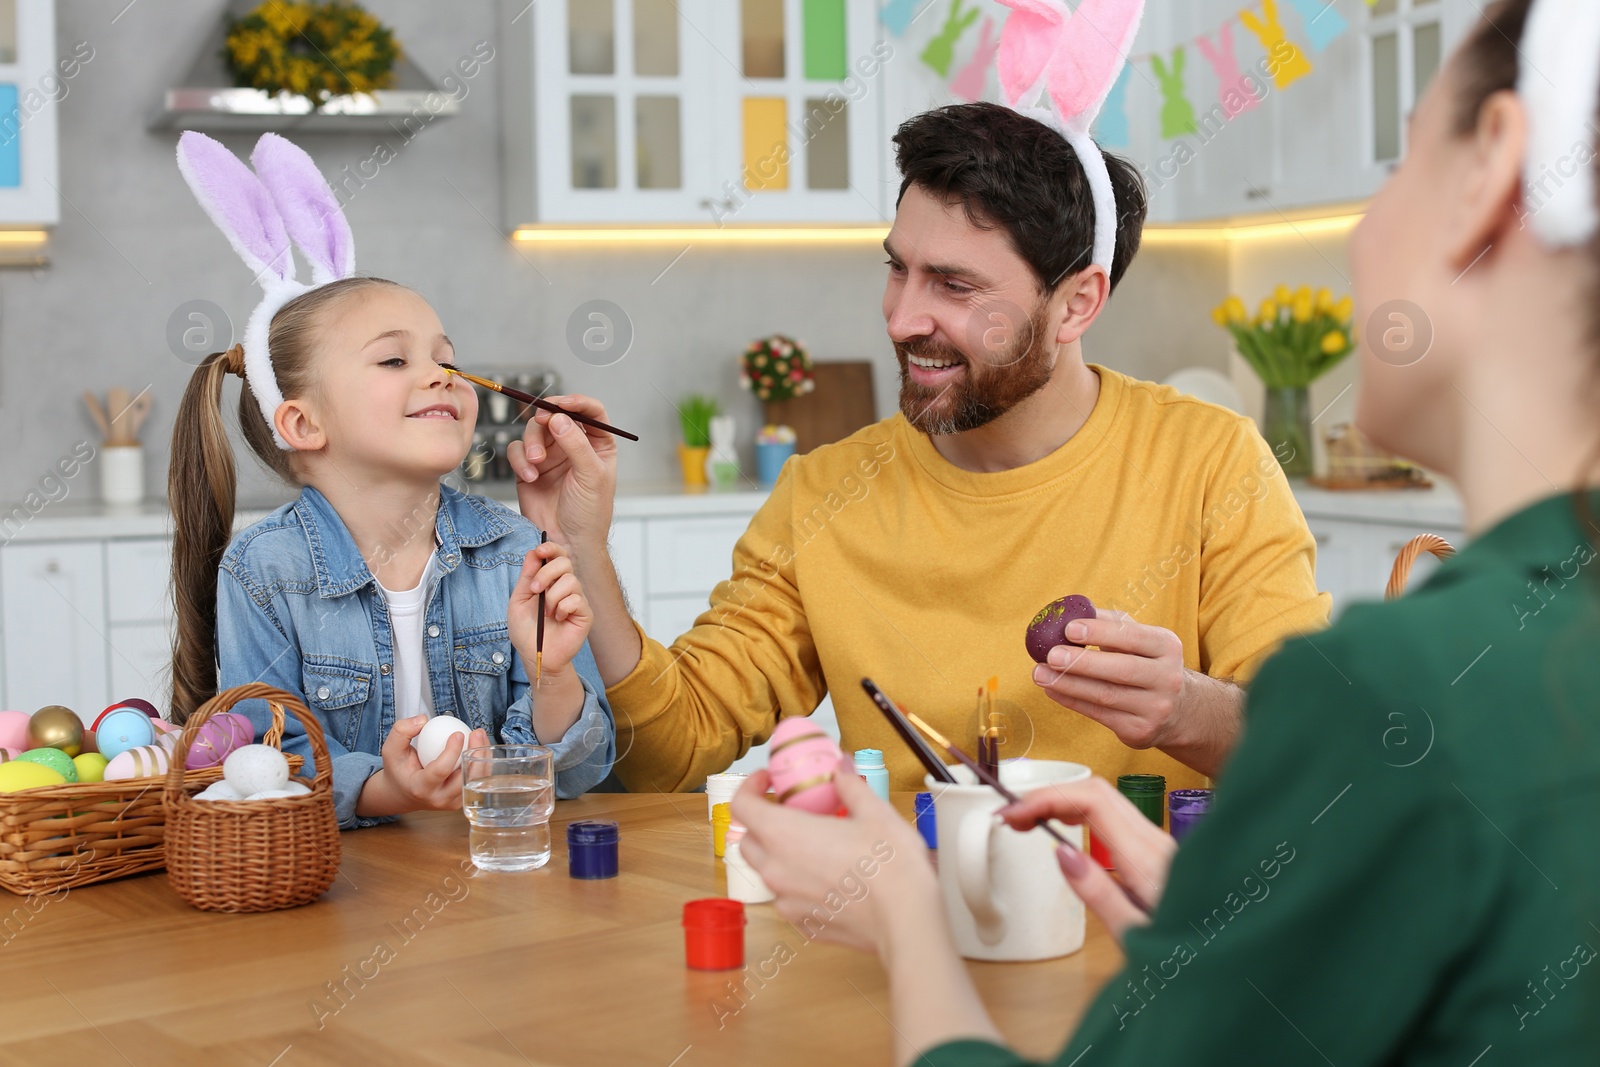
379, 595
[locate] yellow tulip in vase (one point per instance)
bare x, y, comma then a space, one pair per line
1294, 339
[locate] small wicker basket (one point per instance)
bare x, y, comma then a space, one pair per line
252, 855
60, 837
1408, 557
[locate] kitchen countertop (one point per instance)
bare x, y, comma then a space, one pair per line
72, 519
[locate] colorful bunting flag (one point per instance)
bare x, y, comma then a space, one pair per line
1324, 24
1233, 86
1177, 114
896, 15
972, 79
1111, 129
1284, 54
941, 51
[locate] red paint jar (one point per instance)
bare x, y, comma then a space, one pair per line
713, 934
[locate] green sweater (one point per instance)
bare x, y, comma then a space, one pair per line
1403, 862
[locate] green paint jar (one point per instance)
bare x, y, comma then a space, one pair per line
1148, 793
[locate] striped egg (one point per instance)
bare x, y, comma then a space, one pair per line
147, 761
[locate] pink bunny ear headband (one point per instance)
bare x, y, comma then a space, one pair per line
1559, 83
1075, 56
259, 211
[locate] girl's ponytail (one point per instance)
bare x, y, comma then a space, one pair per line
200, 493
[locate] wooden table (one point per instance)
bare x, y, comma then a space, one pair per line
413, 957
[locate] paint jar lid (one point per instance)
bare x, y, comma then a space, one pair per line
922, 802
713, 913
1190, 801
868, 757
1141, 784
592, 832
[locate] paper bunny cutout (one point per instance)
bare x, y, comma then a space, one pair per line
941, 50
1075, 56
1111, 128
1292, 63
284, 198
1233, 87
1177, 114
1324, 24
973, 77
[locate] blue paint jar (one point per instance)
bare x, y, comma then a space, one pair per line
592, 849
869, 765
1185, 809
927, 825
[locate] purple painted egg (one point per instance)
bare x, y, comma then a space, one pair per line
802, 763
1049, 628
221, 734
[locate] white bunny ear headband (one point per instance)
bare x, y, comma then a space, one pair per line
1076, 57
259, 211
1559, 83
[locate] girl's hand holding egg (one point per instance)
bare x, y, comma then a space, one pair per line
406, 783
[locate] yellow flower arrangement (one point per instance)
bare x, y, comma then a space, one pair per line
1295, 338
316, 50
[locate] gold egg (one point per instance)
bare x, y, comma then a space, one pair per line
54, 726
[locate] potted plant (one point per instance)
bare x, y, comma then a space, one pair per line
316, 50
695, 413
1295, 338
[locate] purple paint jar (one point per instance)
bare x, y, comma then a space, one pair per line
592, 849
1185, 808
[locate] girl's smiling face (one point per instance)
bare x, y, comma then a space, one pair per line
383, 403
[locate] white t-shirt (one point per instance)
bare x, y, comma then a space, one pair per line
412, 693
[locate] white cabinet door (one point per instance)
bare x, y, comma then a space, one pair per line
138, 580
33, 82
690, 556
140, 659
669, 617
1354, 559
54, 626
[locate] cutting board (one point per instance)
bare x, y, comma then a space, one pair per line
841, 404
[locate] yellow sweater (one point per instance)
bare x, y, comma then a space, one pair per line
875, 557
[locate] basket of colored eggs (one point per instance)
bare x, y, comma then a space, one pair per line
79, 804
258, 840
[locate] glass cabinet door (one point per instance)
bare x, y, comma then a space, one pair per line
800, 107
616, 106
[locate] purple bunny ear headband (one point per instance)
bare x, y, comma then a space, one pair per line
259, 212
1075, 56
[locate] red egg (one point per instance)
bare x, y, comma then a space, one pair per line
1049, 628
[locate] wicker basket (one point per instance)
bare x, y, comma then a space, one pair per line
63, 836
252, 855
1407, 559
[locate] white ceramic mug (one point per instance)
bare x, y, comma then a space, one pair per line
1003, 890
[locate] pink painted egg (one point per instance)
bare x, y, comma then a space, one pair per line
802, 761
164, 727
14, 730
221, 734
148, 761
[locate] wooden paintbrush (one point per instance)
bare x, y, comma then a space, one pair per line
538, 402
930, 759
993, 782
538, 634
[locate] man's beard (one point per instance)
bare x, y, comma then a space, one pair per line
986, 390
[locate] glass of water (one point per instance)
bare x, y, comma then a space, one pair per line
508, 793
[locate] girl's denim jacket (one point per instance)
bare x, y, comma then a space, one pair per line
297, 608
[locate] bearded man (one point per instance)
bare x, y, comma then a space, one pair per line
918, 550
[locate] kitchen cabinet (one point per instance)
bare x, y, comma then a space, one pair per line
1359, 535
694, 111
54, 626
33, 82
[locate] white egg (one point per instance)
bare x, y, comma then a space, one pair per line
436, 734
218, 791
255, 769
293, 789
